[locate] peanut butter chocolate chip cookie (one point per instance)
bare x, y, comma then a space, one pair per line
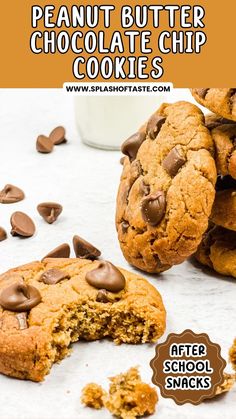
218, 250
224, 209
221, 101
45, 306
224, 138
167, 188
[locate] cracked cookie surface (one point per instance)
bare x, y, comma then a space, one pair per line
70, 310
167, 188
218, 250
221, 101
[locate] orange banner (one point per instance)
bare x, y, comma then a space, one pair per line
44, 44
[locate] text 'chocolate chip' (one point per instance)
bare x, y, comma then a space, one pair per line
44, 144
22, 225
84, 249
106, 276
173, 161
131, 146
153, 208
62, 251
20, 297
50, 211
11, 194
53, 276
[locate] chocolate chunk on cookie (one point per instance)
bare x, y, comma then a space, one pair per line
213, 120
64, 302
218, 250
169, 200
221, 101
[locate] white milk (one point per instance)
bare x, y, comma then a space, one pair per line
106, 122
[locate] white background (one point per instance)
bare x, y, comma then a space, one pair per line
84, 181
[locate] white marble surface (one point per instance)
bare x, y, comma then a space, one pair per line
85, 180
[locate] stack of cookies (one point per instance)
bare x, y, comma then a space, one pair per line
179, 175
218, 247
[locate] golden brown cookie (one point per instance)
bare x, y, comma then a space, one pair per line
167, 188
224, 209
224, 138
218, 250
45, 306
221, 101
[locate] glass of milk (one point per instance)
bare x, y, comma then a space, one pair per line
106, 122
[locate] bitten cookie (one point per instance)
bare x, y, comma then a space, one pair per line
167, 188
45, 306
221, 101
224, 209
218, 250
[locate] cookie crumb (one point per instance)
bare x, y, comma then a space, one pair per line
92, 396
228, 383
128, 396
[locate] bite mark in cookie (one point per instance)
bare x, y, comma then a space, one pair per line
61, 312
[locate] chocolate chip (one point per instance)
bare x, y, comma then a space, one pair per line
44, 144
84, 249
53, 276
131, 146
173, 161
124, 227
50, 211
3, 234
22, 320
57, 136
62, 251
154, 125
122, 160
11, 194
153, 208
22, 225
144, 188
106, 276
20, 297
202, 92
102, 296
